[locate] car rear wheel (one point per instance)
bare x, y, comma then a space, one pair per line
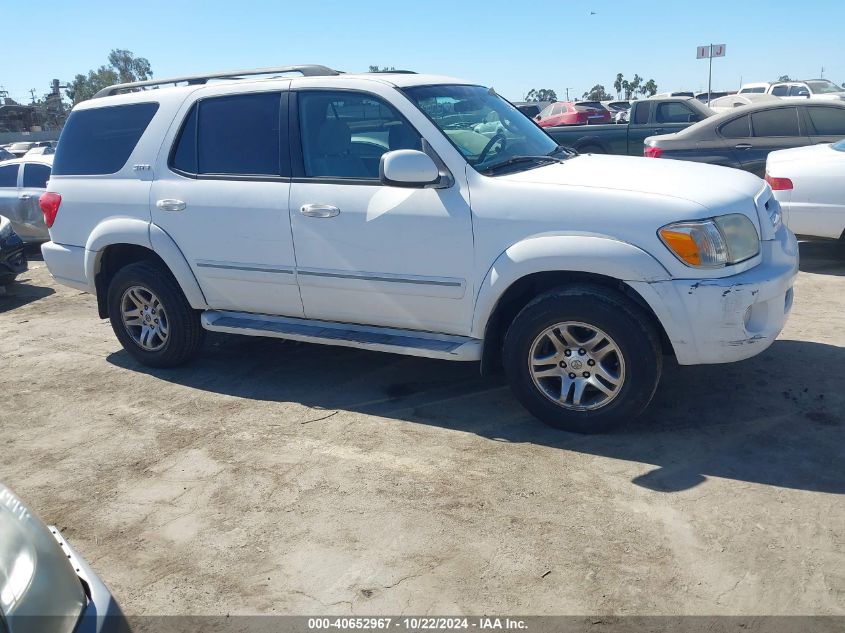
584, 359
151, 317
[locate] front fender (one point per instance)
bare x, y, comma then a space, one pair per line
598, 255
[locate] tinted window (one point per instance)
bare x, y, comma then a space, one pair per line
827, 121
779, 122
36, 175
798, 91
757, 90
239, 135
8, 175
184, 156
674, 112
780, 91
344, 134
100, 140
738, 128
641, 113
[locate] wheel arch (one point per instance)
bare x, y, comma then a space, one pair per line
537, 265
591, 141
118, 242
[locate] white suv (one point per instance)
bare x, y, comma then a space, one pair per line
412, 214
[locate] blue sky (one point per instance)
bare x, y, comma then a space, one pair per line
513, 46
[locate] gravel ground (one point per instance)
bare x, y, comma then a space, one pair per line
271, 477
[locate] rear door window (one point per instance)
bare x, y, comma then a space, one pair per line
777, 122
231, 135
641, 113
36, 175
99, 140
780, 91
738, 128
674, 112
9, 175
827, 121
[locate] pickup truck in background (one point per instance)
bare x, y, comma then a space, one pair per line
647, 118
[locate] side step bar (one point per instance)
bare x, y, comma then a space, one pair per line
378, 339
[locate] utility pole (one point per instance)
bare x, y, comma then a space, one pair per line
822, 75
567, 93
32, 92
710, 76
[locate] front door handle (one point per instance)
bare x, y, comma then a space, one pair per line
319, 210
743, 146
169, 204
658, 130
24, 196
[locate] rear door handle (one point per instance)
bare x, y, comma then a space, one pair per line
319, 210
658, 130
169, 204
743, 146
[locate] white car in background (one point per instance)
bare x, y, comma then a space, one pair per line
755, 88
810, 89
729, 102
808, 182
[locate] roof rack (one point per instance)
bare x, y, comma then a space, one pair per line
191, 80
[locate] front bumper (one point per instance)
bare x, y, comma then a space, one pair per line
101, 614
12, 256
733, 318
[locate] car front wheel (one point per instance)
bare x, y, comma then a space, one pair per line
151, 317
584, 359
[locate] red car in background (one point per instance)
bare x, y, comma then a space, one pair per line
573, 113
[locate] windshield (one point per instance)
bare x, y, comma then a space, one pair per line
823, 87
485, 128
839, 146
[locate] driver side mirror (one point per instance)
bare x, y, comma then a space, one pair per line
408, 168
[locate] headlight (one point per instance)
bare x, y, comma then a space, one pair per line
5, 228
714, 243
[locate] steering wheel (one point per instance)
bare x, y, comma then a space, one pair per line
498, 138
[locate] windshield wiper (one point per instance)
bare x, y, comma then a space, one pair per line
521, 159
563, 148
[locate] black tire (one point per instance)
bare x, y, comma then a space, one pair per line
630, 328
185, 332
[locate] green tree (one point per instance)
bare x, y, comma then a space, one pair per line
543, 94
618, 84
596, 93
649, 88
123, 67
784, 78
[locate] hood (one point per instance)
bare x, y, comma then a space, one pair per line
714, 188
808, 152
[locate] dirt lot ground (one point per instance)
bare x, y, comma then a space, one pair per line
270, 477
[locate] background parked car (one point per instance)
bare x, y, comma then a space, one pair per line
22, 181
808, 89
729, 102
755, 88
808, 182
618, 110
680, 93
647, 117
744, 137
704, 97
6, 154
12, 255
46, 585
573, 113
41, 151
22, 147
531, 108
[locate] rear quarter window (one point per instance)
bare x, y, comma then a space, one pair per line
738, 128
99, 140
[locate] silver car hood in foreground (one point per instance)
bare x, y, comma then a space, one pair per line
36, 578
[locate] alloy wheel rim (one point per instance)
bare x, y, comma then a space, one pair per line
577, 366
144, 318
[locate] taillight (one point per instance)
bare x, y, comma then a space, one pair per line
778, 184
652, 152
49, 203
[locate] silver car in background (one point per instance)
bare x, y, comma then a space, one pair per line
45, 586
22, 181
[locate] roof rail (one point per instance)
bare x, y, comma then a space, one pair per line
305, 71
